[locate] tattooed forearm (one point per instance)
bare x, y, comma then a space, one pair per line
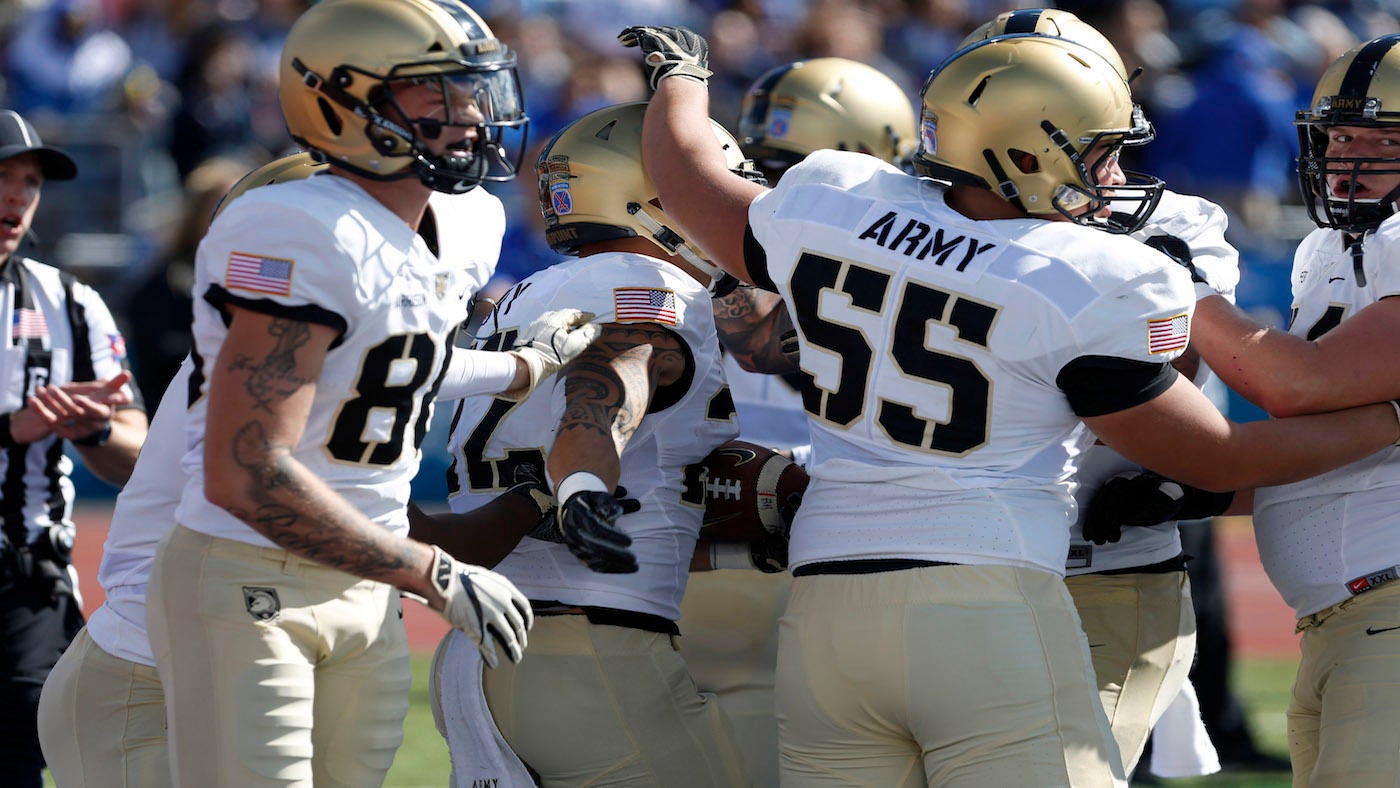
602, 396
749, 322
284, 504
274, 377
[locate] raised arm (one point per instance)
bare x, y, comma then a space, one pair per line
750, 323
697, 190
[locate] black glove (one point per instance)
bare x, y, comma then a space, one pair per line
547, 529
1179, 252
586, 525
669, 52
788, 511
787, 343
1143, 498
769, 556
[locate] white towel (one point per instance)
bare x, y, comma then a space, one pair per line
1180, 745
480, 755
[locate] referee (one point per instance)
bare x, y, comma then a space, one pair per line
63, 378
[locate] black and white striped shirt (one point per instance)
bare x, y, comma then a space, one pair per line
58, 331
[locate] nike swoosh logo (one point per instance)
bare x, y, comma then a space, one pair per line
1336, 279
741, 456
1097, 645
1375, 631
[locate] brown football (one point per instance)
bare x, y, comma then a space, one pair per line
746, 488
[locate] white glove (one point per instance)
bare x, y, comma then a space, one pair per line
479, 601
552, 341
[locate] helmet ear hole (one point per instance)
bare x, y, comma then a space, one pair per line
328, 114
1027, 163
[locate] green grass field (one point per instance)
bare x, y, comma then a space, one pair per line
1264, 685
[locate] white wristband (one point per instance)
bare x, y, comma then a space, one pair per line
579, 481
730, 555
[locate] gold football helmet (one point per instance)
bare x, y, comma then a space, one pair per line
1362, 88
341, 60
1048, 22
292, 167
592, 186
825, 103
1017, 115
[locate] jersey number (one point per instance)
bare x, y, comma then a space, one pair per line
484, 475
381, 397
969, 390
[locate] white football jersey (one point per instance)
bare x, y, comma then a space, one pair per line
491, 437
323, 250
144, 512
1201, 224
1317, 535
934, 344
470, 229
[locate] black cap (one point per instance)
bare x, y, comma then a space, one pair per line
17, 136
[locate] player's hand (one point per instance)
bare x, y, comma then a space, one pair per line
787, 510
553, 340
483, 604
769, 556
788, 345
587, 524
669, 52
547, 527
1143, 498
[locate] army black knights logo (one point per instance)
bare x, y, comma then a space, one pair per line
262, 603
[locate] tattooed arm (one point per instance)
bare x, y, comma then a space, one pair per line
606, 392
260, 395
750, 322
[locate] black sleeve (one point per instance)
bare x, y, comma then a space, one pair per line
756, 261
307, 313
666, 396
1099, 385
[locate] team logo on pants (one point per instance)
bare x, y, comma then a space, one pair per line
262, 603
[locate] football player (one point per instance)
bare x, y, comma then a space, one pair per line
1331, 544
730, 618
1130, 586
961, 341
104, 700
604, 695
322, 329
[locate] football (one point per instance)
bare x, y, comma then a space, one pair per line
746, 489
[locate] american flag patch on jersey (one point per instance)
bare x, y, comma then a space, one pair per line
644, 305
258, 274
1168, 334
29, 324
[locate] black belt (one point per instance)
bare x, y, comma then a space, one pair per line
1177, 564
864, 566
607, 616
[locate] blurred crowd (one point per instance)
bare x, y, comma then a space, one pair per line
167, 102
